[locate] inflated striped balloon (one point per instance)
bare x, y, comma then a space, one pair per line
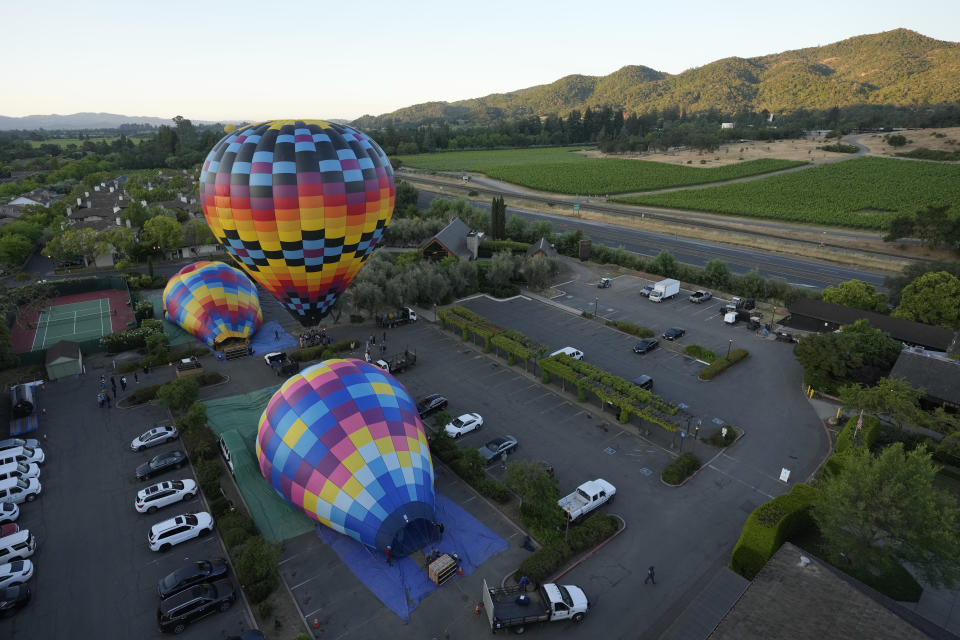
300, 205
342, 440
213, 301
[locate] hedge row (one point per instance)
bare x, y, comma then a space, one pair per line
513, 343
489, 247
769, 525
632, 329
720, 365
543, 562
700, 353
149, 392
625, 395
324, 352
680, 469
186, 352
132, 338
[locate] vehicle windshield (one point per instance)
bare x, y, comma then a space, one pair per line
176, 485
565, 595
28, 452
190, 519
459, 422
22, 468
22, 483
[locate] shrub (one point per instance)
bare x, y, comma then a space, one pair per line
556, 552
132, 339
219, 505
869, 434
208, 472
143, 310
632, 329
720, 365
179, 394
256, 567
769, 525
144, 394
261, 590
700, 353
717, 439
680, 469
265, 609
195, 417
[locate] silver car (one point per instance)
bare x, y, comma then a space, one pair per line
157, 435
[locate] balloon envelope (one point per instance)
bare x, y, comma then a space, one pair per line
342, 440
213, 301
300, 205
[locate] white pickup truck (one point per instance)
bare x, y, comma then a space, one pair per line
513, 607
586, 498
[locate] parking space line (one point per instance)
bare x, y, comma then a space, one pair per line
297, 586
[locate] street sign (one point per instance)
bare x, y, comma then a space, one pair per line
576, 208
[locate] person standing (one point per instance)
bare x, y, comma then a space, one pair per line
136, 377
389, 553
123, 383
109, 405
650, 576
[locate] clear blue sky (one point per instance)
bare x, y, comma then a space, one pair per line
210, 60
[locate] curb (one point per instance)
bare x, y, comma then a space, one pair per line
576, 563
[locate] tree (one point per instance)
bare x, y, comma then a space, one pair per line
717, 274
407, 196
896, 140
122, 239
536, 488
890, 397
664, 264
539, 270
858, 294
934, 226
197, 232
498, 218
503, 269
365, 296
856, 354
933, 298
83, 243
14, 249
179, 394
901, 226
877, 513
162, 234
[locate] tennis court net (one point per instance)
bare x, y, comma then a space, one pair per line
74, 319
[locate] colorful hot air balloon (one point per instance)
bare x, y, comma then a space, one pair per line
213, 301
342, 441
299, 204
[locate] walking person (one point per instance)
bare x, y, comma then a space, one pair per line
100, 400
123, 383
108, 401
650, 576
136, 377
384, 336
389, 553
276, 334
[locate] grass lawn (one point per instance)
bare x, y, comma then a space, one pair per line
896, 583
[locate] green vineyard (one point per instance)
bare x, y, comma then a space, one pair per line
863, 193
560, 171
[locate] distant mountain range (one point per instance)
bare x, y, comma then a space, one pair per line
85, 120
899, 67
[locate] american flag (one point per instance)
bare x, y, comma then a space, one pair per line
859, 423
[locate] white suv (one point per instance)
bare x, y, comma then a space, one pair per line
17, 490
164, 535
164, 493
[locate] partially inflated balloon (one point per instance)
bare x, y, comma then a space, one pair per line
300, 204
342, 440
213, 301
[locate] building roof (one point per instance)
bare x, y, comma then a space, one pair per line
797, 596
543, 246
938, 375
63, 349
924, 335
10, 211
453, 237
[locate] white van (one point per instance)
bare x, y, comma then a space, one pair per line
22, 454
17, 546
18, 490
19, 470
574, 353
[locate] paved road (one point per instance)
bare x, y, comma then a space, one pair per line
799, 272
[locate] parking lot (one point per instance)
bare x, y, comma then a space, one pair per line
95, 574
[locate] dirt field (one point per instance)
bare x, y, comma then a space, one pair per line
805, 149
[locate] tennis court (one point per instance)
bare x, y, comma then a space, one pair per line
77, 321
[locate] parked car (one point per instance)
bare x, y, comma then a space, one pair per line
10, 443
158, 435
646, 291
14, 573
9, 512
644, 382
275, 358
464, 424
164, 535
19, 470
26, 455
700, 296
497, 447
191, 574
645, 345
19, 490
163, 462
673, 333
431, 403
176, 612
9, 529
604, 283
13, 598
573, 352
164, 493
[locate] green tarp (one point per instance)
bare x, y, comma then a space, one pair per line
176, 334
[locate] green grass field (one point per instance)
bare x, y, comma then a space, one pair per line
559, 170
63, 142
863, 192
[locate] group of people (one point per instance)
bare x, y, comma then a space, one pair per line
313, 338
103, 397
372, 343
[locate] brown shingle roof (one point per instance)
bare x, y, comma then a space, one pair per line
938, 375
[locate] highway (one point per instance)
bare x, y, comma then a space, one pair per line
796, 271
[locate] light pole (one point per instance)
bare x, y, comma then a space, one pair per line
729, 346
596, 302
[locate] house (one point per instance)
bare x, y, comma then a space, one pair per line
541, 248
797, 596
41, 197
11, 212
64, 359
455, 239
938, 375
817, 315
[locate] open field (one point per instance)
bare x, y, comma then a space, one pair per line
64, 142
916, 139
561, 171
863, 192
801, 150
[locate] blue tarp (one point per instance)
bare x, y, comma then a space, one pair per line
403, 585
265, 339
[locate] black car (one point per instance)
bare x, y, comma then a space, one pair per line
161, 463
673, 333
179, 610
13, 598
497, 447
191, 574
431, 403
645, 345
644, 382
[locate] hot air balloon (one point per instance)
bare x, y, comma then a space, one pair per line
213, 301
342, 441
300, 205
